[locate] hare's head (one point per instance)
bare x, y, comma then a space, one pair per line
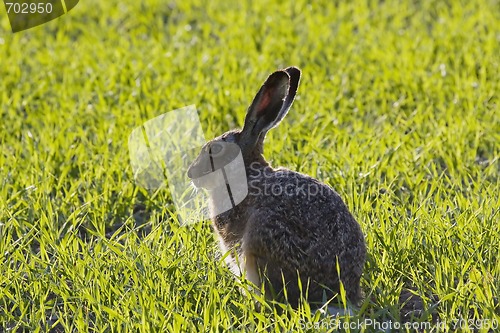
268, 108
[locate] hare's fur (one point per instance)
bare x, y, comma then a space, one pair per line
290, 228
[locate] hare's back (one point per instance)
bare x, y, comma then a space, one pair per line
301, 230
300, 203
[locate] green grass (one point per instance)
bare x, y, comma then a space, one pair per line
398, 110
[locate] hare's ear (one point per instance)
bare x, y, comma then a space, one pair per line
271, 104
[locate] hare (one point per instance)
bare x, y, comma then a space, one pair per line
291, 232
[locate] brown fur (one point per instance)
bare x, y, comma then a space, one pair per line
281, 238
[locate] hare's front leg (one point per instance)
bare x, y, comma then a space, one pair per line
242, 263
250, 270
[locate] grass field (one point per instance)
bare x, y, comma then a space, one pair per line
398, 110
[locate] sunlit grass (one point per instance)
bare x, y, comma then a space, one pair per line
397, 110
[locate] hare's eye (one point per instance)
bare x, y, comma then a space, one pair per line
216, 149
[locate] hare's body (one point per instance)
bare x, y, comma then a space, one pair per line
289, 227
273, 239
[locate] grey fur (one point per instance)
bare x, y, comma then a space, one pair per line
282, 231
